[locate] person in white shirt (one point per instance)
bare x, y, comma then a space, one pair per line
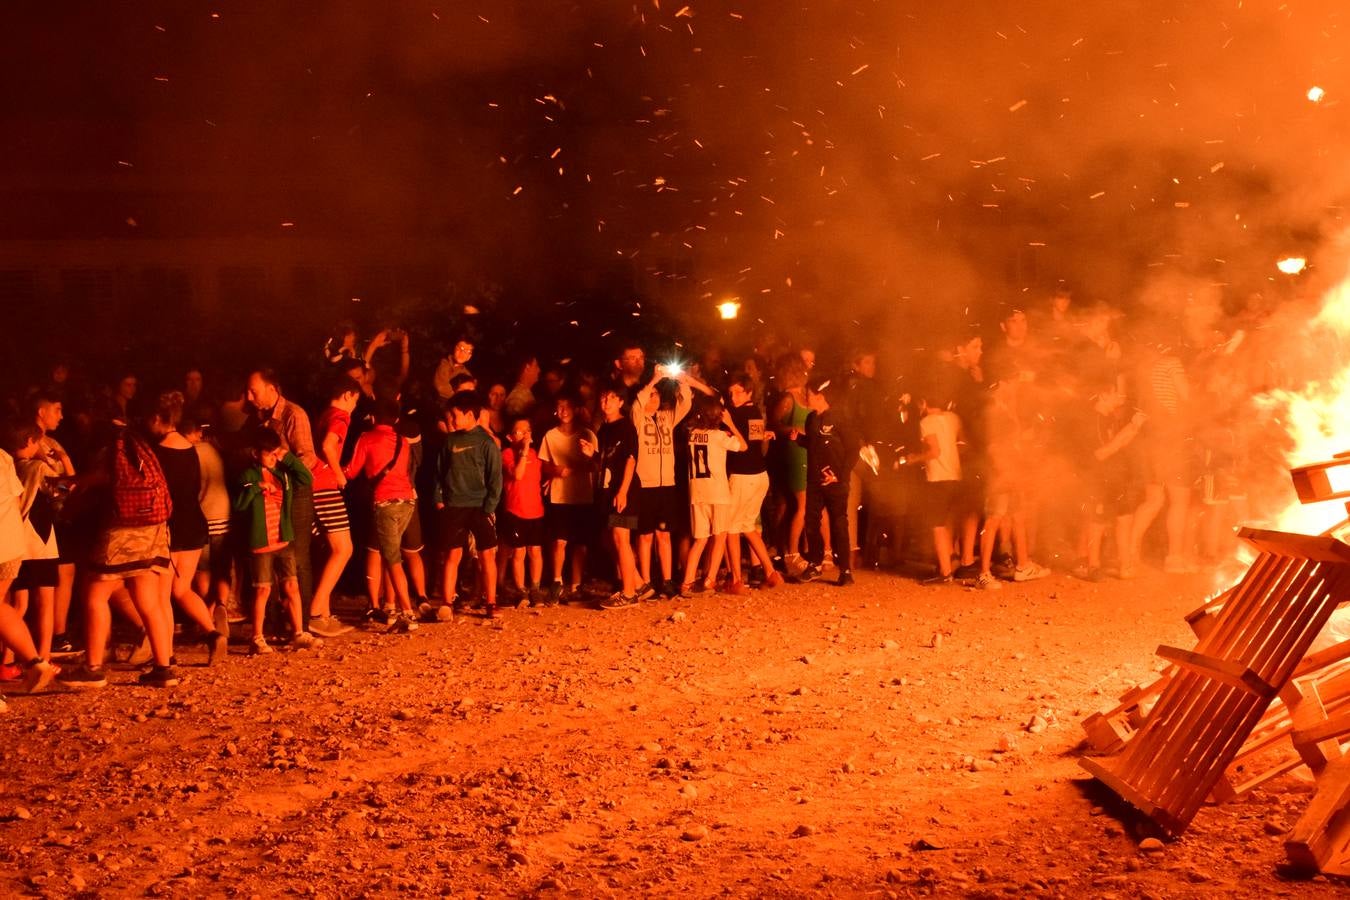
709, 491
941, 457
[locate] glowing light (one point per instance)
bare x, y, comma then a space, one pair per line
1292, 265
728, 309
1315, 94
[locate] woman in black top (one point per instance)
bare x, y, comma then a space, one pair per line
187, 524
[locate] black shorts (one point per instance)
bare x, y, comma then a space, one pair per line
216, 559
660, 509
518, 532
458, 522
604, 511
571, 522
37, 573
942, 501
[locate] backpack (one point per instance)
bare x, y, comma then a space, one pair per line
140, 495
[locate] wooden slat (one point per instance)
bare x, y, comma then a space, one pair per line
1322, 548
1315, 839
1230, 673
1322, 658
1122, 788
1334, 727
1277, 652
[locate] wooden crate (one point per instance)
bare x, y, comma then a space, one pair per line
1207, 711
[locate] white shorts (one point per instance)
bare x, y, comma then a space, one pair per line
708, 519
747, 498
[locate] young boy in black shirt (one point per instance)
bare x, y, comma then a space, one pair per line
614, 495
748, 474
830, 458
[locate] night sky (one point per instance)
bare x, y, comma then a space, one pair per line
895, 165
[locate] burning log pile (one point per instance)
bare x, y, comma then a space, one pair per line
1265, 691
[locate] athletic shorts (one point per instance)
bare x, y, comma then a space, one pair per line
604, 508
215, 559
941, 500
37, 573
330, 512
660, 509
571, 522
999, 503
391, 521
273, 564
707, 519
518, 532
458, 522
747, 499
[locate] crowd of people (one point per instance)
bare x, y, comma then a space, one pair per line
167, 516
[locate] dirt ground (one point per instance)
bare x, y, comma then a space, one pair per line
800, 742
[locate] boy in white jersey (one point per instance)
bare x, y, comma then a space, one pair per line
709, 491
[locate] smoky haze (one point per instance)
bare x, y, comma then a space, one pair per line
875, 170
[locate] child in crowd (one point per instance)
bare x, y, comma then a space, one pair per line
656, 411
1113, 483
570, 510
36, 672
521, 523
748, 479
831, 455
941, 431
1005, 496
382, 455
330, 507
710, 494
266, 489
215, 569
614, 495
468, 489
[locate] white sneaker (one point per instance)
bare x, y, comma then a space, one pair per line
306, 641
987, 582
1030, 572
259, 646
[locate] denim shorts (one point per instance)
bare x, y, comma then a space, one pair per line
391, 520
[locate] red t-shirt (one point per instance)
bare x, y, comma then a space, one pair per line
331, 421
273, 494
524, 496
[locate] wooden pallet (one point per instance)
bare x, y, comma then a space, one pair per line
1110, 728
1321, 837
1224, 686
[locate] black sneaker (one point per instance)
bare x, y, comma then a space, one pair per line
84, 677
618, 600
967, 571
669, 589
938, 579
159, 676
61, 646
810, 573
555, 594
845, 578
645, 592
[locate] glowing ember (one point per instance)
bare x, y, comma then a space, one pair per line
1315, 94
1292, 265
729, 309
